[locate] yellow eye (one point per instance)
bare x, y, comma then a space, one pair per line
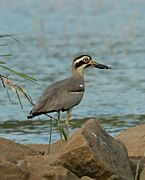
86, 60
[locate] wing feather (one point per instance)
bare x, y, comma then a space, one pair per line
61, 95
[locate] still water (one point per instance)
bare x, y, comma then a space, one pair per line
53, 33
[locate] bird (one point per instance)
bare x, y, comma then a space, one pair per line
63, 95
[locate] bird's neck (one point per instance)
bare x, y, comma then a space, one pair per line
78, 73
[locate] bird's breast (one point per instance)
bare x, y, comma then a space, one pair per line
78, 89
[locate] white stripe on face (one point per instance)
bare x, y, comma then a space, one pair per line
78, 60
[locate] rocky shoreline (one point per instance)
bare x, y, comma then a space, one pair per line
90, 153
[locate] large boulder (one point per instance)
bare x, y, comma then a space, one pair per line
13, 151
55, 147
38, 168
92, 152
11, 171
134, 139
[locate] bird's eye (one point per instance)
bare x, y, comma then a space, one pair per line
86, 60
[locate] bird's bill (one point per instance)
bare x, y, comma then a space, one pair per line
98, 65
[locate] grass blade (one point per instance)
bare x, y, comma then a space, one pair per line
8, 94
16, 88
22, 75
50, 136
3, 44
5, 55
64, 134
2, 80
12, 36
19, 99
26, 95
1, 62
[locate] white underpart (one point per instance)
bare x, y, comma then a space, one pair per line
77, 92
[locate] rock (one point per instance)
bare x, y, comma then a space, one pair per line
60, 173
136, 166
92, 152
36, 166
11, 171
142, 176
14, 151
39, 169
134, 139
113, 177
55, 148
86, 178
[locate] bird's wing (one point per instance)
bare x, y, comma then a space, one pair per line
69, 100
62, 95
68, 94
47, 96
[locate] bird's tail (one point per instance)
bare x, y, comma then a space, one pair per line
33, 114
30, 116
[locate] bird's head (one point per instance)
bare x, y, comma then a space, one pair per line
84, 61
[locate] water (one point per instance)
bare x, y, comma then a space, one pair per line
53, 34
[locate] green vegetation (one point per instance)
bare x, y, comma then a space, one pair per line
6, 72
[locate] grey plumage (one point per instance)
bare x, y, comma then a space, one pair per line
60, 96
65, 94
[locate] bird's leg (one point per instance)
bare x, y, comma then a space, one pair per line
67, 121
59, 124
58, 118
